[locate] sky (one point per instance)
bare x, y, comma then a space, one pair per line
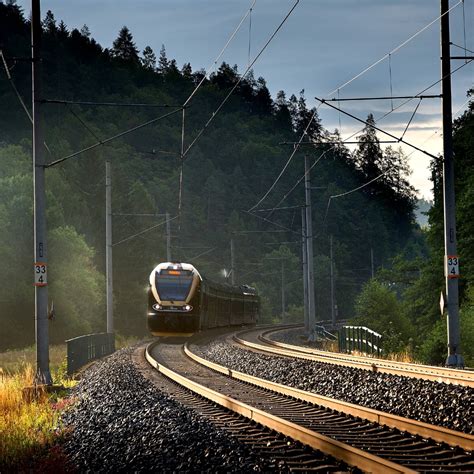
322, 45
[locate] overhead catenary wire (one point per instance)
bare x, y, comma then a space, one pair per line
295, 149
71, 111
377, 128
360, 74
108, 104
214, 64
358, 188
411, 118
144, 231
320, 157
400, 46
214, 114
409, 99
114, 137
17, 93
271, 222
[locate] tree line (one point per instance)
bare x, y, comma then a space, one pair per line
225, 173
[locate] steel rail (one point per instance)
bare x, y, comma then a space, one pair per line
349, 454
438, 374
444, 374
426, 430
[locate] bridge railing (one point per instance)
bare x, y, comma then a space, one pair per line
84, 349
360, 338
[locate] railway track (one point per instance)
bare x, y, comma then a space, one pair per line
255, 339
356, 442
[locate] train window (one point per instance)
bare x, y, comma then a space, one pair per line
172, 287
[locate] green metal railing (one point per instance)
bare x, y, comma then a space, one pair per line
360, 338
83, 349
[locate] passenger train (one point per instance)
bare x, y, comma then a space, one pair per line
181, 302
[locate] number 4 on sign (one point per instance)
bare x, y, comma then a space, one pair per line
41, 274
452, 266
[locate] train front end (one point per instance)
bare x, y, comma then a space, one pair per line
174, 300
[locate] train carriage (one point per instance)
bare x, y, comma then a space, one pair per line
181, 302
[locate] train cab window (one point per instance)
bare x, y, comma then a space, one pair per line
173, 285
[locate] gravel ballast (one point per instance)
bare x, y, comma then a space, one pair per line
120, 422
436, 403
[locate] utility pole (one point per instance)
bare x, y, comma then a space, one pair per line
372, 262
451, 265
43, 375
108, 248
168, 237
232, 262
305, 268
283, 302
333, 302
309, 246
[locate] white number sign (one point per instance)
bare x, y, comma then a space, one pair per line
452, 266
41, 274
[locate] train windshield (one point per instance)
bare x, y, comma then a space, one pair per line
174, 285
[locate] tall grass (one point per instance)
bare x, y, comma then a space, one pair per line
15, 360
29, 428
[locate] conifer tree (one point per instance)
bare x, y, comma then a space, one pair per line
49, 23
149, 59
163, 63
85, 31
124, 48
369, 155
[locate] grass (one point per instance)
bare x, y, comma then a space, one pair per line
16, 360
30, 429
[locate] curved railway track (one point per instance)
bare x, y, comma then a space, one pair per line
355, 441
261, 341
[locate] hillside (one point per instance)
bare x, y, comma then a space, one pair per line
226, 172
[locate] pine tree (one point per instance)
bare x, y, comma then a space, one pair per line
63, 32
301, 117
282, 111
85, 31
149, 59
124, 48
263, 99
369, 155
163, 63
49, 23
187, 70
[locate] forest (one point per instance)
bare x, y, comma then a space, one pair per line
228, 167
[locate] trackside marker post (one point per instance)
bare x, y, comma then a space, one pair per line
41, 274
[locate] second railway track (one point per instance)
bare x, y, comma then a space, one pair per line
367, 445
262, 341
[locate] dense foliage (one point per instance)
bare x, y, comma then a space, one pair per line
227, 171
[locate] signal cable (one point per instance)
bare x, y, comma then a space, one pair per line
241, 78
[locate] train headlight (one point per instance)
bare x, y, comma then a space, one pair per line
188, 308
157, 307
